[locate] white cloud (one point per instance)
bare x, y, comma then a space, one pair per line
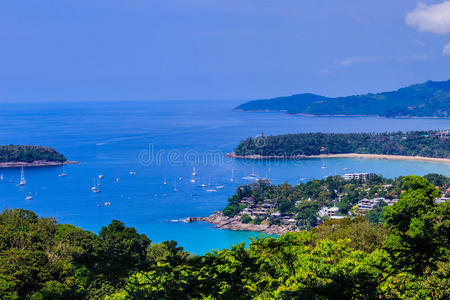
446, 50
432, 18
324, 72
358, 60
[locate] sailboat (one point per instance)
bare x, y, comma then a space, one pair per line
165, 182
29, 197
253, 173
194, 173
94, 188
1, 177
175, 188
232, 175
63, 173
323, 164
22, 178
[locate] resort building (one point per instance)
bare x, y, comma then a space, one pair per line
350, 176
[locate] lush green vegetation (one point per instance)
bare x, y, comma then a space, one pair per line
429, 99
415, 143
407, 257
21, 153
303, 201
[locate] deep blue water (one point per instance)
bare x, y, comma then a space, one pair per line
114, 138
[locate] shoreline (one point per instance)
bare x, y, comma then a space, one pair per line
234, 223
38, 163
337, 115
343, 155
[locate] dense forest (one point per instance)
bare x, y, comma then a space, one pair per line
429, 99
303, 201
27, 153
414, 143
407, 257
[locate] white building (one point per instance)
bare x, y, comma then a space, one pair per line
350, 176
327, 211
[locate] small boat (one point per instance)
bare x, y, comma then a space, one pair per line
1, 177
99, 205
22, 178
175, 188
194, 195
117, 179
107, 203
180, 178
94, 188
194, 173
100, 176
165, 182
232, 176
192, 180
132, 173
29, 197
220, 187
211, 190
63, 173
202, 185
345, 168
253, 173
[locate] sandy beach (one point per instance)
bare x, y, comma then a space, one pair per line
345, 155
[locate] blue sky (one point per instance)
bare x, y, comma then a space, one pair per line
85, 50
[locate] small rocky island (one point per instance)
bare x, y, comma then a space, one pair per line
12, 156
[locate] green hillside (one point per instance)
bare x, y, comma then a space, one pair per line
429, 99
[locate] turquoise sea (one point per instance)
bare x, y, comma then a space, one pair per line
163, 140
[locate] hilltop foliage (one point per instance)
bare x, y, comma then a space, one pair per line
304, 200
26, 153
415, 143
429, 99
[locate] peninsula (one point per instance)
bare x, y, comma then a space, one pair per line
277, 209
414, 145
425, 100
12, 156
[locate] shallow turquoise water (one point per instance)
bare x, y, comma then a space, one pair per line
162, 140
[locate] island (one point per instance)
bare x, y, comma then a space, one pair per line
413, 145
277, 209
12, 156
429, 99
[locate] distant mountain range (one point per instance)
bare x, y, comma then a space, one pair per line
429, 99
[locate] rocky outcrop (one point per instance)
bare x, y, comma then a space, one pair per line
234, 223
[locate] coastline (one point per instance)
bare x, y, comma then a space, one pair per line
284, 112
37, 163
234, 223
344, 155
